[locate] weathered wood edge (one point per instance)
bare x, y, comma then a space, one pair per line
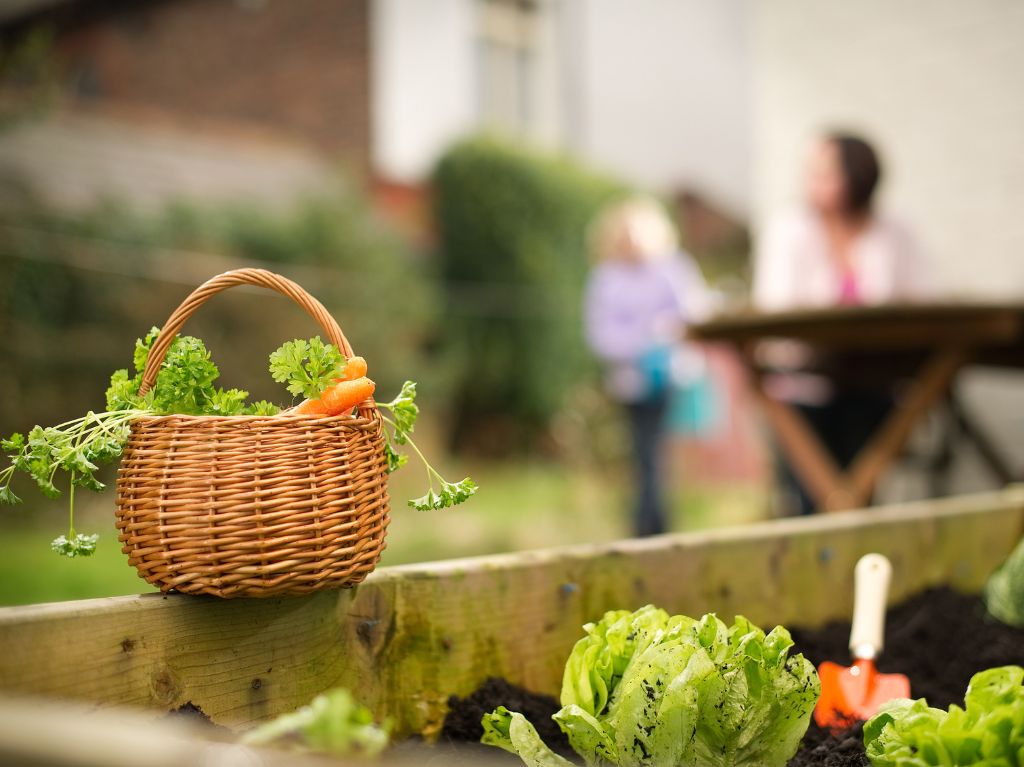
412, 635
42, 732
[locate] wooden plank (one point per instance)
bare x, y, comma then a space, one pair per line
410, 636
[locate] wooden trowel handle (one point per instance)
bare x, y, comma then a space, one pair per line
871, 587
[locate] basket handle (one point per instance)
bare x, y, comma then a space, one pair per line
258, 277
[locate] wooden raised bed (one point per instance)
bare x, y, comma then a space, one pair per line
411, 636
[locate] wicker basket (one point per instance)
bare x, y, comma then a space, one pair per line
252, 506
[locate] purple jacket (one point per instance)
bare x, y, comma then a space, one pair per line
634, 309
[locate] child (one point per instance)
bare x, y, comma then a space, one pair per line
641, 293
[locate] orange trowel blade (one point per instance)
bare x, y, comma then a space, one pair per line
850, 694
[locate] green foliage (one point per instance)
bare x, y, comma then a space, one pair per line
78, 545
988, 731
1004, 592
511, 225
306, 367
646, 688
333, 723
404, 412
262, 407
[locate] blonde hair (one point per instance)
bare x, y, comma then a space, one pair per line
638, 224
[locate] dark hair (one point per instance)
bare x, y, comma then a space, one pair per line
860, 167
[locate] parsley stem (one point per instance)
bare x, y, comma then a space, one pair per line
431, 471
6, 476
71, 508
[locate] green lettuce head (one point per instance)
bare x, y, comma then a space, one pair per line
988, 731
647, 688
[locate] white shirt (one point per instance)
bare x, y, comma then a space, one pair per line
794, 266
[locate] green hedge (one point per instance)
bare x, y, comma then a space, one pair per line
511, 224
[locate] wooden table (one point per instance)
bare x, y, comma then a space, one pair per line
925, 345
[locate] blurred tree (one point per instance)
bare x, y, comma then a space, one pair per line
512, 226
76, 290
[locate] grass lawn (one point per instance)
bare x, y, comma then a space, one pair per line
520, 506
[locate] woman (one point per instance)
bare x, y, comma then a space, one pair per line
641, 293
834, 250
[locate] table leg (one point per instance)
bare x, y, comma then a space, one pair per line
810, 460
929, 386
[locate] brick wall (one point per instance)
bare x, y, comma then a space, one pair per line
297, 68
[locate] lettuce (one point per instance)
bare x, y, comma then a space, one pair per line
333, 723
988, 731
647, 688
1004, 592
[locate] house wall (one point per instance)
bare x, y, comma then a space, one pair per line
938, 84
664, 94
422, 74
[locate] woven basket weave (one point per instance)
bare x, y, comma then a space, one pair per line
252, 506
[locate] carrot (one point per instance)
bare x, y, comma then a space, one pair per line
355, 367
344, 396
311, 407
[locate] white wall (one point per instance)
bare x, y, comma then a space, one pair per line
665, 93
422, 82
939, 84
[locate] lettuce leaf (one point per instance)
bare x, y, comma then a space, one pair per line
512, 732
1004, 592
333, 723
988, 731
647, 688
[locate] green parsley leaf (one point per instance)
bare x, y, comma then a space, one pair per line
306, 367
142, 347
405, 412
227, 402
451, 494
262, 407
13, 444
77, 546
395, 459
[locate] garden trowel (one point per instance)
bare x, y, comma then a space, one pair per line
850, 694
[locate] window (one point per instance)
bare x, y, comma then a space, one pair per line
506, 64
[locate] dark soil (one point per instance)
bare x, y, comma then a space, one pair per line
822, 749
190, 712
939, 638
462, 723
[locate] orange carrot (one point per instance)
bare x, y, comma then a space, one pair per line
355, 367
311, 407
344, 396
